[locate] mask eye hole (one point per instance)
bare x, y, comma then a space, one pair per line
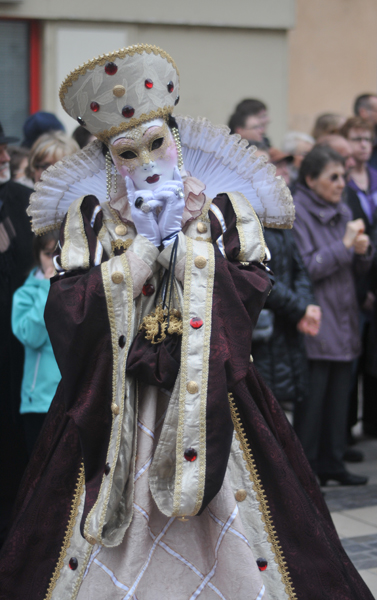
157, 143
128, 154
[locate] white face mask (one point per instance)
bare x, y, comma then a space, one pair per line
147, 154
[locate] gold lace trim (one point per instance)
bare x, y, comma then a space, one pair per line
76, 210
160, 113
262, 499
241, 257
104, 58
68, 534
204, 382
120, 244
182, 393
47, 228
204, 215
155, 324
129, 284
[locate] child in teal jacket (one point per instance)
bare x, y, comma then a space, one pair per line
41, 373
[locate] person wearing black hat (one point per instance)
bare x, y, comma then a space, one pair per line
15, 262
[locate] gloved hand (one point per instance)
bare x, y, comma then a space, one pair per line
145, 221
173, 198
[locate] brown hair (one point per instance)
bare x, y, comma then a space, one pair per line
54, 144
326, 124
17, 155
41, 241
356, 123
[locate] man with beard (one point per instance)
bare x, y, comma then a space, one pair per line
15, 262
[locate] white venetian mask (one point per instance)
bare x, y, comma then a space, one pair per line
147, 154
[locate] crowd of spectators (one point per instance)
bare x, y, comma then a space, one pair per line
315, 342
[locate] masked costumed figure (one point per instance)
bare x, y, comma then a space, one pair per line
166, 469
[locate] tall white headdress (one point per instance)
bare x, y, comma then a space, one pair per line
121, 90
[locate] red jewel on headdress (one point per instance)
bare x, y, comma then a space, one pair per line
190, 454
128, 112
262, 564
94, 106
196, 323
148, 84
111, 68
170, 87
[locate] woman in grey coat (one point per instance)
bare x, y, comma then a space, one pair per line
335, 250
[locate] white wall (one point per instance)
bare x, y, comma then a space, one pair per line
218, 67
69, 45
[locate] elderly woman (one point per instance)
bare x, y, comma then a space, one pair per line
334, 248
48, 150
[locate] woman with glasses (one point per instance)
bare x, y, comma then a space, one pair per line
47, 150
334, 247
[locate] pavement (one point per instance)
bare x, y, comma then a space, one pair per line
354, 512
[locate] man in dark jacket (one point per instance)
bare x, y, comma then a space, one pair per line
15, 262
282, 360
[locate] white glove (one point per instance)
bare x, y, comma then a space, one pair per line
173, 198
145, 221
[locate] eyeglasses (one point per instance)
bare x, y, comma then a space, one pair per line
361, 139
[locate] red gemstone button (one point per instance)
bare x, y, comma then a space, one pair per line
262, 564
196, 323
170, 87
73, 563
128, 112
94, 106
148, 289
111, 68
148, 84
190, 454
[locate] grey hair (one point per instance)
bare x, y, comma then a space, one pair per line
291, 138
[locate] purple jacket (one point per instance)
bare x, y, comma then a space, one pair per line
318, 230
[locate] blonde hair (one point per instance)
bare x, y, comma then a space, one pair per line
50, 146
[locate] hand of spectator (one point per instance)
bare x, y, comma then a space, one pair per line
353, 229
311, 321
361, 244
369, 302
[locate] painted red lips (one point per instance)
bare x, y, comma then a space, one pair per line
152, 179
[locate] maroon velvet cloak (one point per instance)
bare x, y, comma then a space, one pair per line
77, 429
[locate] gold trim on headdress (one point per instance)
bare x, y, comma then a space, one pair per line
121, 90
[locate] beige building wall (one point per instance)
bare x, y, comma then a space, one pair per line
225, 51
332, 58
